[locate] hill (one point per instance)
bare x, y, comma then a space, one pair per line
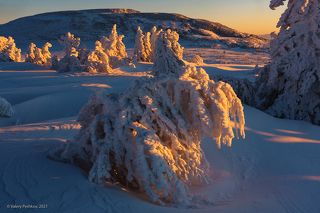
90, 25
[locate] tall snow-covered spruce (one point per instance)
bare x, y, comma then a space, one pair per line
139, 52
148, 138
290, 86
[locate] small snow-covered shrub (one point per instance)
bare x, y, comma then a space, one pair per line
98, 60
8, 50
6, 109
197, 59
71, 60
39, 56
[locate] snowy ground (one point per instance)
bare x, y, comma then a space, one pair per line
275, 169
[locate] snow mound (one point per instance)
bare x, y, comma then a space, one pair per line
6, 109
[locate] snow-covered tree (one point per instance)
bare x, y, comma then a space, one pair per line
70, 43
71, 60
6, 109
122, 52
115, 48
139, 52
39, 56
46, 53
173, 37
154, 36
289, 86
83, 55
149, 138
8, 50
197, 59
114, 45
98, 60
30, 56
168, 54
147, 46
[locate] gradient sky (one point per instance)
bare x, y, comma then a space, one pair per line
252, 16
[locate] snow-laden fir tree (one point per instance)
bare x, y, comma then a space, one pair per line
148, 138
147, 46
70, 60
115, 48
39, 56
6, 109
154, 36
98, 60
30, 56
8, 50
139, 52
168, 54
290, 86
46, 54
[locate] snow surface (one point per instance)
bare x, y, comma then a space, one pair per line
275, 169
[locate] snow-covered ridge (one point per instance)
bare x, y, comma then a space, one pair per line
90, 25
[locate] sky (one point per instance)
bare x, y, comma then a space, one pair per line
251, 16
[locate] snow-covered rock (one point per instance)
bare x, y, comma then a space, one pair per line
6, 109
